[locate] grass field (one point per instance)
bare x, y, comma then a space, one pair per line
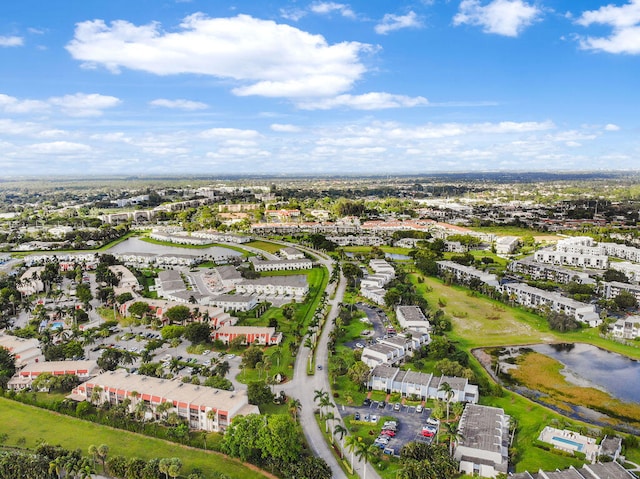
36, 425
265, 246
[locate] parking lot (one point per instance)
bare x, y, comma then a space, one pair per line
409, 421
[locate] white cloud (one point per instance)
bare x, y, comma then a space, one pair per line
611, 127
266, 58
366, 101
625, 23
503, 17
324, 8
84, 104
12, 41
283, 128
179, 104
11, 104
62, 148
392, 22
229, 133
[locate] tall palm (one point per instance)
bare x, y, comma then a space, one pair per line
294, 406
351, 442
340, 430
454, 434
103, 452
365, 453
319, 397
328, 417
448, 394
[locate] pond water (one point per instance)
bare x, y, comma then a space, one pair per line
136, 245
587, 365
397, 256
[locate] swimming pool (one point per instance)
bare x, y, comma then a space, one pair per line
578, 447
57, 325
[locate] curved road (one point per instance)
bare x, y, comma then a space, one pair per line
303, 387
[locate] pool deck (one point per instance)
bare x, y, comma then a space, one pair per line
570, 441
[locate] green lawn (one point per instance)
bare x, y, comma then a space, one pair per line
265, 245
35, 425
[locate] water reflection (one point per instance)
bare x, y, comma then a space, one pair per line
617, 374
136, 245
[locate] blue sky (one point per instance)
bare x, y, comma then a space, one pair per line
315, 87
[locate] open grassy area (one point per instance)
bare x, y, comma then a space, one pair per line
265, 246
542, 373
480, 321
35, 425
367, 249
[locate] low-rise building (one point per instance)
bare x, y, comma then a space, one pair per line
291, 253
24, 350
422, 385
605, 470
263, 335
614, 288
375, 354
482, 449
537, 298
126, 279
549, 272
412, 317
507, 244
295, 285
626, 328
572, 259
234, 302
202, 407
466, 274
23, 379
280, 264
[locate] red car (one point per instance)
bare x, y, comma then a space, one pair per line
388, 432
427, 433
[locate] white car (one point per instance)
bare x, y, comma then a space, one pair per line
230, 356
419, 408
374, 418
433, 422
359, 345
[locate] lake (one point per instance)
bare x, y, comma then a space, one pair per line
587, 365
136, 245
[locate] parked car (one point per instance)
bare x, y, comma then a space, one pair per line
433, 421
356, 416
374, 418
396, 406
427, 433
388, 432
419, 408
366, 402
382, 404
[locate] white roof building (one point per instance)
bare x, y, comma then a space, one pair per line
202, 407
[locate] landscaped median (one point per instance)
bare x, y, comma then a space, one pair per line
26, 426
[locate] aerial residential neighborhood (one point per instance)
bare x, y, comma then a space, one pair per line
317, 239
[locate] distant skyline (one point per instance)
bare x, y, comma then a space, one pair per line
189, 87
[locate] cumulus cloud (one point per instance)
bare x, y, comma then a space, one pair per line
84, 104
229, 133
264, 57
502, 17
392, 22
625, 24
325, 8
12, 41
611, 127
179, 104
283, 128
62, 148
11, 104
366, 101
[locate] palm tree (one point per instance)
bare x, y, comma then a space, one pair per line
448, 394
352, 443
319, 397
163, 407
294, 406
93, 451
341, 430
328, 417
454, 434
103, 452
365, 453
